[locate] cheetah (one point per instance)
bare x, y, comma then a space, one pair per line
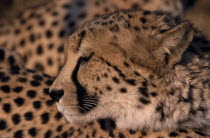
38, 34
142, 69
27, 110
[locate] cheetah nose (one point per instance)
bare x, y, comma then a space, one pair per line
56, 94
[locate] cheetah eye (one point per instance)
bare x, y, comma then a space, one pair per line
85, 59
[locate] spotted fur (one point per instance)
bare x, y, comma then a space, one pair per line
143, 69
27, 111
38, 34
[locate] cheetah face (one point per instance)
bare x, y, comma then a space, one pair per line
92, 88
124, 80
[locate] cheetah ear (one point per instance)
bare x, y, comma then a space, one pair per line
173, 44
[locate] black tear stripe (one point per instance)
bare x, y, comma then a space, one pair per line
80, 90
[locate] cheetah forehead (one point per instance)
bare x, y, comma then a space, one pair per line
119, 29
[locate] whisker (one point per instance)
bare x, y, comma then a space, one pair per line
89, 100
87, 108
89, 103
83, 109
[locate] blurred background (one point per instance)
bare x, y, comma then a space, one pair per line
199, 14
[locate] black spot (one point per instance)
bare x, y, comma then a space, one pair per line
131, 81
45, 118
31, 71
18, 89
49, 82
123, 90
126, 64
39, 49
199, 132
32, 132
114, 28
37, 77
183, 131
50, 46
94, 133
31, 93
132, 132
82, 15
4, 78
111, 134
54, 23
66, 6
32, 37
144, 92
98, 78
2, 54
46, 91
144, 27
54, 13
6, 107
71, 24
147, 12
16, 119
144, 101
19, 101
48, 134
3, 124
41, 22
39, 66
62, 33
82, 33
37, 104
121, 135
65, 134
34, 83
58, 116
135, 6
28, 116
20, 79
136, 28
11, 60
136, 73
5, 88
105, 75
66, 17
143, 20
49, 33
116, 80
60, 49
22, 42
18, 134
166, 58
144, 133
22, 21
153, 94
159, 109
49, 102
153, 27
14, 69
107, 124
130, 16
163, 31
17, 31
59, 128
173, 134
109, 88
49, 61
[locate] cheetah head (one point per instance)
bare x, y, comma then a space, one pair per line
119, 66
